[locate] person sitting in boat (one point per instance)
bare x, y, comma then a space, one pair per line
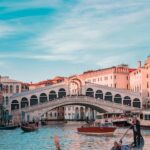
136, 131
117, 146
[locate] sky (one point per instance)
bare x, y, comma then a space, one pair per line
41, 39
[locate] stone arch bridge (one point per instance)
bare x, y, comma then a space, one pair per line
101, 98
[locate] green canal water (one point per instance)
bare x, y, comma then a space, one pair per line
43, 139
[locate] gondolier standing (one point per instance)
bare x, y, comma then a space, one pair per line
136, 131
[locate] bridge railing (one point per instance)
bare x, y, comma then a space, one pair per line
38, 90
78, 99
115, 89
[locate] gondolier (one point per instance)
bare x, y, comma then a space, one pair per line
136, 131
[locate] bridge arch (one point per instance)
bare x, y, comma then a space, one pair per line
136, 103
24, 102
14, 105
52, 95
78, 111
127, 101
108, 96
90, 92
118, 99
33, 100
43, 98
61, 93
99, 94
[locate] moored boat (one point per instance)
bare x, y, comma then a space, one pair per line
120, 122
97, 129
29, 127
8, 127
144, 119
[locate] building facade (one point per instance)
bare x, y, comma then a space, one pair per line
11, 87
117, 77
140, 81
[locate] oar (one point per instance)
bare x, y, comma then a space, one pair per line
125, 133
56, 141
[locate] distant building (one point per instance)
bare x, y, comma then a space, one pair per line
10, 87
120, 77
44, 83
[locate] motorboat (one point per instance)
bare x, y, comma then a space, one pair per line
97, 129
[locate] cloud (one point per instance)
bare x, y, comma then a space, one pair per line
84, 29
5, 30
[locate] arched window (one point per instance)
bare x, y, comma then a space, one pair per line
90, 92
52, 95
6, 88
118, 99
33, 100
11, 89
127, 101
99, 94
14, 105
43, 98
61, 93
136, 103
108, 96
17, 88
24, 102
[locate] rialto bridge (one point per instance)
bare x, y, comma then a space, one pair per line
101, 98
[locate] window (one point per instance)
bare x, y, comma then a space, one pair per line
105, 78
147, 85
147, 75
17, 88
94, 80
6, 88
115, 77
11, 89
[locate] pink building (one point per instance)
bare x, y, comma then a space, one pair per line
140, 81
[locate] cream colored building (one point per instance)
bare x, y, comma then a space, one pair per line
11, 87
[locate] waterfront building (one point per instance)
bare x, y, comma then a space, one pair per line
106, 84
140, 81
11, 87
44, 83
75, 112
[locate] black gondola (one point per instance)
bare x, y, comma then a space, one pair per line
130, 146
9, 127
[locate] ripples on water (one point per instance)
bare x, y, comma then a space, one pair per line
43, 139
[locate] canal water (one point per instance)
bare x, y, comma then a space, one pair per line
43, 139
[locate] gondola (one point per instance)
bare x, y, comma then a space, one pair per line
130, 146
9, 127
29, 128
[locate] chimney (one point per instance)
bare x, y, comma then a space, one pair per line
148, 59
139, 64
